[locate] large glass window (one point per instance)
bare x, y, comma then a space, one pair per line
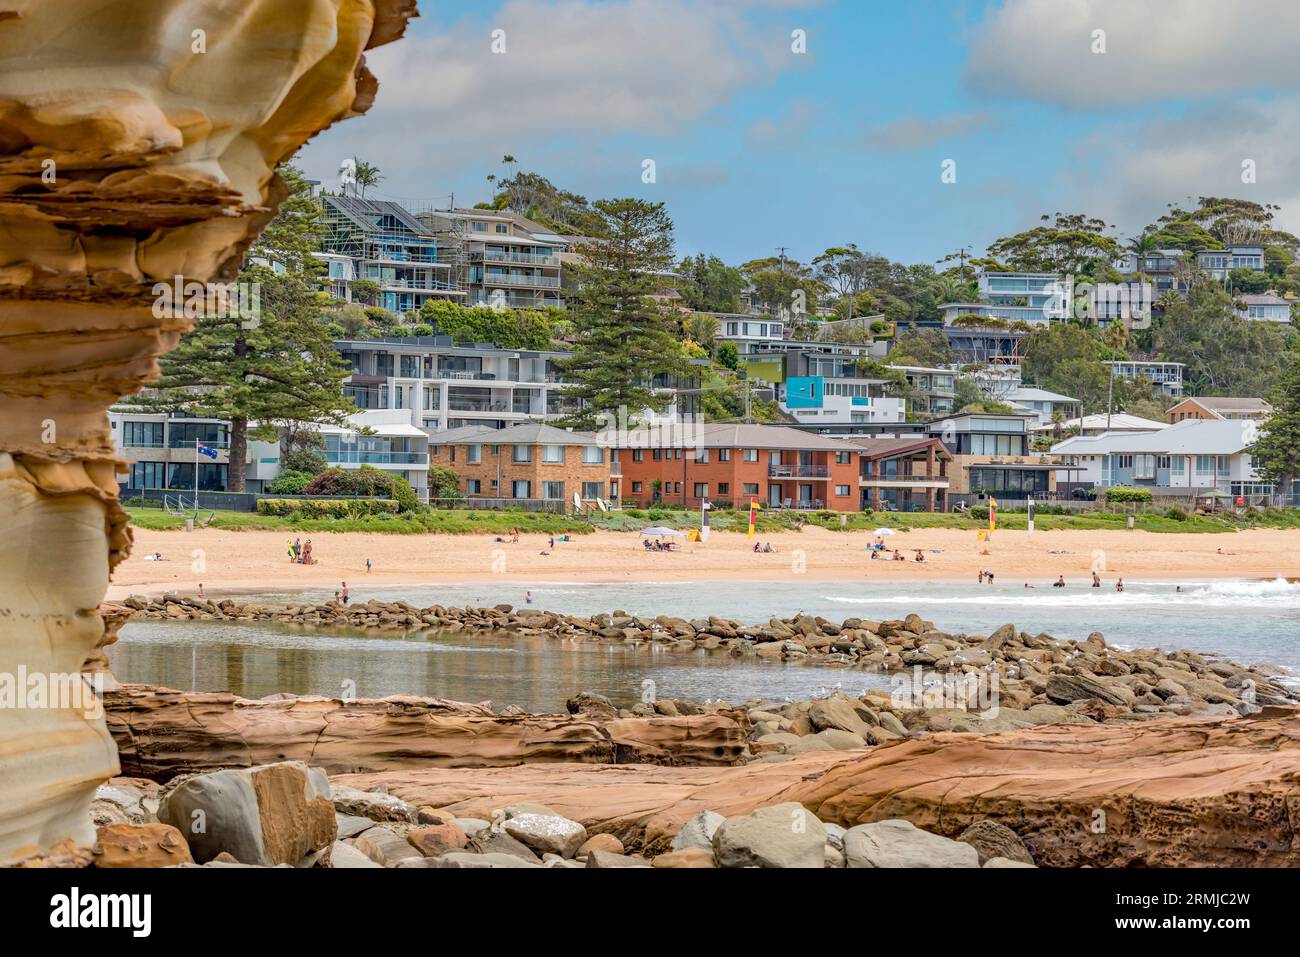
183, 435
553, 491
553, 454
593, 455
522, 489
142, 435
522, 453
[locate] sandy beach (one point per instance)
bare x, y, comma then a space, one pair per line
249, 561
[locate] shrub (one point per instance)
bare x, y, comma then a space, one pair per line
311, 461
297, 509
1123, 493
366, 481
980, 512
1176, 514
290, 482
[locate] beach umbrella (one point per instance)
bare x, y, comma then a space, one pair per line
660, 530
885, 531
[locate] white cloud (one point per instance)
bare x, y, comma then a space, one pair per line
917, 132
1127, 174
1042, 49
574, 71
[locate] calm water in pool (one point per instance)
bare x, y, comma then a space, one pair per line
1246, 621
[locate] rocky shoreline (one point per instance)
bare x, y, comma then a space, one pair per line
999, 750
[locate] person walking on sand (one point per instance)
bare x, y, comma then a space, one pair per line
345, 593
306, 553
367, 566
1096, 580
1119, 584
202, 597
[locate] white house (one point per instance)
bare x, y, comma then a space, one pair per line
1042, 403
1191, 457
385, 439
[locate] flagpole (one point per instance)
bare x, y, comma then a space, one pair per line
196, 476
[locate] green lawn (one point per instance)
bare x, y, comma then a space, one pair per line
469, 522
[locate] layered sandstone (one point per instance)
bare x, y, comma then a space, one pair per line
138, 144
161, 733
1170, 793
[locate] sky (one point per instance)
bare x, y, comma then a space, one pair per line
909, 128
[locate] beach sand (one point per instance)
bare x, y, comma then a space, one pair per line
250, 561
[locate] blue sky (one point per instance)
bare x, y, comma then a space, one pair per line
1107, 107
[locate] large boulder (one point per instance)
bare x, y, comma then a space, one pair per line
385, 847
898, 843
698, 831
838, 712
991, 840
547, 833
1066, 688
268, 815
140, 845
784, 835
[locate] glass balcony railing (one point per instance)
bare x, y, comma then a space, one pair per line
356, 457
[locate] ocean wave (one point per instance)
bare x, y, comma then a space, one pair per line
1278, 593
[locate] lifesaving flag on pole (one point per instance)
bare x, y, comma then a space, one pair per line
993, 514
753, 515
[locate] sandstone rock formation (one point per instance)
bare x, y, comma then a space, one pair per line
138, 144
161, 733
1173, 792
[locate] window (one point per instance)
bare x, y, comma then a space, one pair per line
751, 455
1178, 464
521, 489
593, 489
843, 458
473, 487
1162, 461
724, 488
1144, 467
702, 456
143, 435
148, 475
638, 455
473, 454
1126, 461
502, 228
677, 488
479, 227
593, 455
522, 453
751, 488
553, 491
636, 488
1204, 465
553, 454
841, 490
657, 454
701, 489
724, 455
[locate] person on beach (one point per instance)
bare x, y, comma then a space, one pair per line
367, 566
297, 550
1059, 583
336, 598
1027, 585
1096, 580
528, 598
920, 556
550, 542
345, 593
514, 536
1119, 584
292, 555
981, 579
202, 597
306, 553
988, 576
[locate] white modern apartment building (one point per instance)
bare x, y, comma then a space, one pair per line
508, 260
1166, 376
384, 439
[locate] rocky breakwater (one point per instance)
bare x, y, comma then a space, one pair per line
941, 680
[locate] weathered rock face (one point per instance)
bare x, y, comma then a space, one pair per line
1175, 792
161, 733
275, 814
138, 143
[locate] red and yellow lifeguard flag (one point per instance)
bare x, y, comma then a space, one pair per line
753, 515
993, 514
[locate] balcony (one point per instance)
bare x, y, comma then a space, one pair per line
798, 471
493, 280
432, 285
356, 457
523, 259
178, 443
519, 302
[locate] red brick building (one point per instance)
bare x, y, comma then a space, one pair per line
778, 466
525, 463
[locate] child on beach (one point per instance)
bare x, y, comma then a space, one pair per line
345, 593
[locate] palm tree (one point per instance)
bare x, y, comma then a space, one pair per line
367, 174
1142, 246
702, 328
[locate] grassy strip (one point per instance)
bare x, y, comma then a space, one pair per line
481, 522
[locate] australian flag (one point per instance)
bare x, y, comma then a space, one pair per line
202, 449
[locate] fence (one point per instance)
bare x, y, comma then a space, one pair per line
183, 499
557, 506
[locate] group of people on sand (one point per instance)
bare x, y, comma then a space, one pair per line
986, 578
894, 557
766, 547
661, 545
300, 552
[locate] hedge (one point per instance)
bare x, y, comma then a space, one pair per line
327, 508
1123, 493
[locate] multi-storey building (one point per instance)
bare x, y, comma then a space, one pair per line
528, 463
778, 467
905, 474
823, 383
384, 439
508, 260
1165, 376
160, 452
381, 242
930, 390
